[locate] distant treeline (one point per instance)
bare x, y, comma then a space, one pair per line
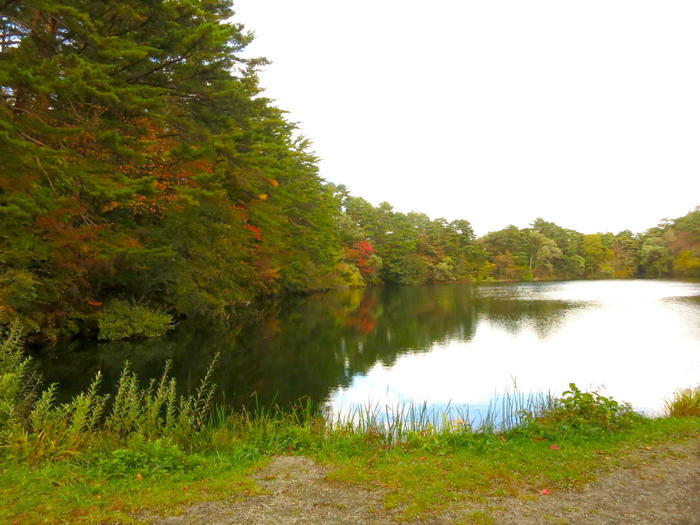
144, 178
383, 245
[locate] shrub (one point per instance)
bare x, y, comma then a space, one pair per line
147, 458
121, 320
585, 411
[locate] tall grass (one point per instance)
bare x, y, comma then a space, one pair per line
685, 403
33, 426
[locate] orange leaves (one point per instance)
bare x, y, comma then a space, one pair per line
5, 308
366, 325
262, 196
94, 303
269, 274
157, 205
273, 183
257, 232
130, 242
110, 206
61, 218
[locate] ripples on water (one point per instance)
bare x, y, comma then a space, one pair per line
459, 344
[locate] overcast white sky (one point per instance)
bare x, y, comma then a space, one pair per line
585, 113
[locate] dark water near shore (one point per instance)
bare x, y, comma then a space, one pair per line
458, 344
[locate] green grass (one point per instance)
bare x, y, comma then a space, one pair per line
82, 492
425, 476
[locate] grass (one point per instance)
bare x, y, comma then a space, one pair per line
685, 403
96, 459
82, 492
427, 476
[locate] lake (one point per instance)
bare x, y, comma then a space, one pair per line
457, 345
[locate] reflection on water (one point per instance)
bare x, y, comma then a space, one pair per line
455, 344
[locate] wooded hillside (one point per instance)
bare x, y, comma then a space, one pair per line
144, 177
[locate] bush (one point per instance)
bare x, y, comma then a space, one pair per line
146, 458
586, 411
121, 320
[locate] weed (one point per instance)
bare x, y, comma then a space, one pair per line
583, 412
685, 403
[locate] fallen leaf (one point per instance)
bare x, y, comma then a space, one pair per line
423, 457
545, 492
554, 446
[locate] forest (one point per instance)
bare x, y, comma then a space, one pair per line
145, 178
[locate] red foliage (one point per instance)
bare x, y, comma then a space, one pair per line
257, 232
364, 319
360, 254
365, 248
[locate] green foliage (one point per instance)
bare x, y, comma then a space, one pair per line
685, 403
138, 159
157, 410
14, 367
585, 412
121, 320
36, 428
147, 458
687, 264
655, 257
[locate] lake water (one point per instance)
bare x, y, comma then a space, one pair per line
457, 345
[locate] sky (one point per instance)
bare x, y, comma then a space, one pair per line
586, 114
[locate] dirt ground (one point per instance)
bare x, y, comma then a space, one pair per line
662, 487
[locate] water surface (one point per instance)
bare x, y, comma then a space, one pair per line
446, 344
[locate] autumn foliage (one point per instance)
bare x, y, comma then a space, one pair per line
143, 175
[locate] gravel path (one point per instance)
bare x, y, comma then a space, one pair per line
661, 488
294, 492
